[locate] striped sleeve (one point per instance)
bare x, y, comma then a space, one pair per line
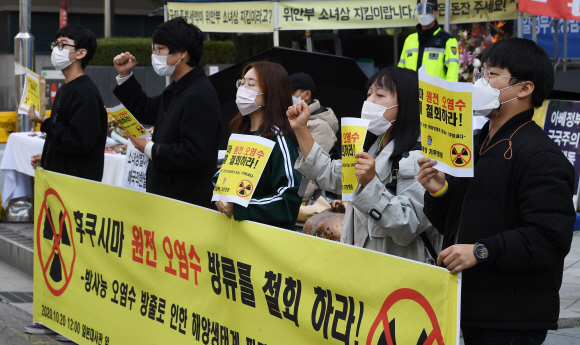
282, 205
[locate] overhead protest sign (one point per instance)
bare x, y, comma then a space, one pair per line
342, 14
446, 124
254, 16
177, 273
245, 160
354, 131
129, 123
33, 93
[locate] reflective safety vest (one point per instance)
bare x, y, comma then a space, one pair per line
440, 55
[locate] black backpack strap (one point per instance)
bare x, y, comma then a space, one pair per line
392, 186
429, 246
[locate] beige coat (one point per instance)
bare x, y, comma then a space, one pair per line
397, 231
323, 128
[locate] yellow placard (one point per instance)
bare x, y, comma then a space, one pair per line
245, 160
310, 15
446, 124
129, 123
33, 93
255, 16
354, 131
114, 266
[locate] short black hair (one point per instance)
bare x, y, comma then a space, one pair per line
526, 61
84, 39
178, 35
407, 128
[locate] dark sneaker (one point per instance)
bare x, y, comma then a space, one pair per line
38, 329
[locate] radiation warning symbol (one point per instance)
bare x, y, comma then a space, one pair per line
460, 155
55, 243
387, 332
245, 188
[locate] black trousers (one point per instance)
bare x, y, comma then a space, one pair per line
481, 336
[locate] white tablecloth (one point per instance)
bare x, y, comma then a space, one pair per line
18, 171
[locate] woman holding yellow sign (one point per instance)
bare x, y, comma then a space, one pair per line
262, 98
386, 211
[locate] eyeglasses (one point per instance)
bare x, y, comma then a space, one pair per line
241, 82
60, 45
155, 49
486, 75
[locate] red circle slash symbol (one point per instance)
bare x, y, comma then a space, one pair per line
56, 264
388, 334
460, 155
245, 188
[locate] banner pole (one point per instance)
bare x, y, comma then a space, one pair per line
447, 16
276, 25
565, 49
166, 18
520, 25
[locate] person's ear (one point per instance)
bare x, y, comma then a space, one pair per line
184, 55
80, 53
436, 13
526, 89
308, 95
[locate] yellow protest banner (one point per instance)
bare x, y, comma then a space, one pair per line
342, 14
354, 131
245, 160
255, 16
447, 124
128, 121
32, 94
167, 272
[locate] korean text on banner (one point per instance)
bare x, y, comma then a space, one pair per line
354, 131
254, 16
447, 124
128, 122
33, 93
341, 14
562, 122
245, 160
178, 273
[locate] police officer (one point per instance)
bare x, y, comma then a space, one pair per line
430, 45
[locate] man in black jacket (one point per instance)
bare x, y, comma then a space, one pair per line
509, 228
77, 129
184, 147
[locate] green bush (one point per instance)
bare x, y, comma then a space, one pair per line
108, 48
214, 52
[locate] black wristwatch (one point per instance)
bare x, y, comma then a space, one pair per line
480, 251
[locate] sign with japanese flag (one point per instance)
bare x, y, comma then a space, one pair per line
561, 9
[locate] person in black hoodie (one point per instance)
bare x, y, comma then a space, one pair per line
183, 150
509, 228
77, 129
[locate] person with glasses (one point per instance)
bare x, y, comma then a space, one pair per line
386, 211
76, 131
264, 95
508, 228
183, 150
431, 45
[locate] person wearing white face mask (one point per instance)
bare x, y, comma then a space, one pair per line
77, 129
431, 45
183, 149
322, 122
508, 228
262, 99
386, 212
